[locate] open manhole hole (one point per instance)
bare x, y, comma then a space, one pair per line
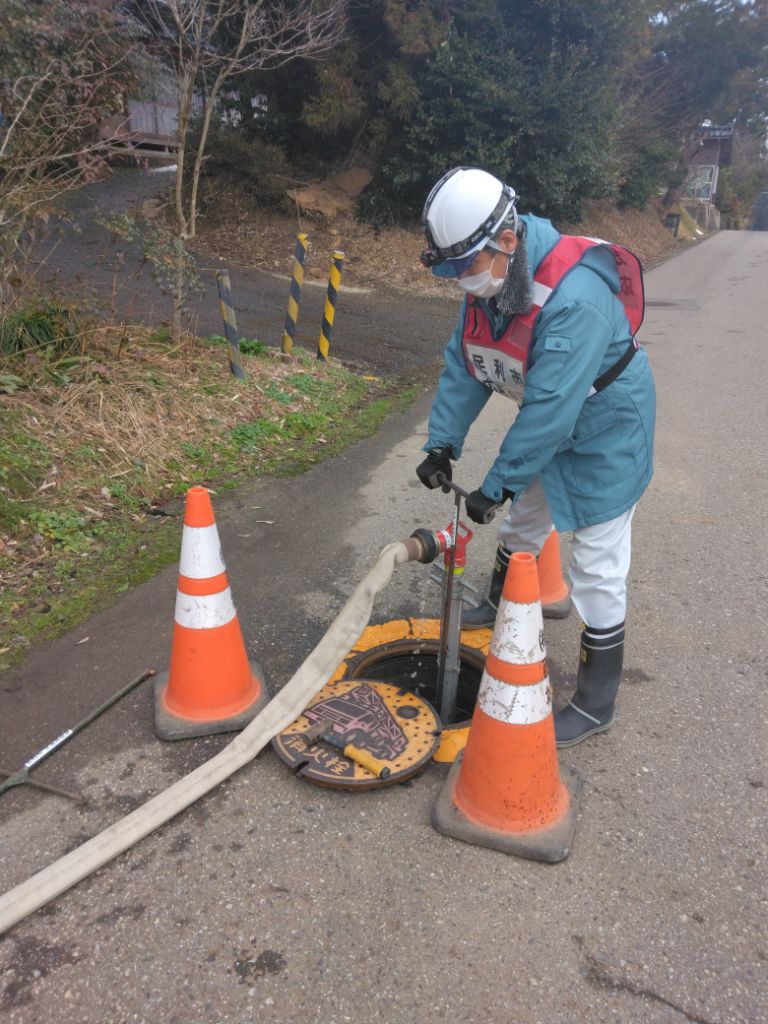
412, 664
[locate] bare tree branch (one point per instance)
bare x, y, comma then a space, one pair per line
54, 95
208, 42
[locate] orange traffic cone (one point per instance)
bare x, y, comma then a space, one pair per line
211, 686
555, 592
505, 791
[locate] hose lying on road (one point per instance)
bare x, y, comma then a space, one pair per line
283, 709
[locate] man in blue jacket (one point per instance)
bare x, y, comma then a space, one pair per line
549, 321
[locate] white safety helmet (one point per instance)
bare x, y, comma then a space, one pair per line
462, 213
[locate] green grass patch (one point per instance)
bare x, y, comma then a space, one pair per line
86, 466
53, 326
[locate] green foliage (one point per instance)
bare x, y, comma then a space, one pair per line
654, 162
36, 34
307, 384
539, 116
174, 268
248, 346
64, 527
250, 437
252, 347
703, 59
278, 394
68, 560
527, 90
161, 338
742, 182
126, 496
10, 384
173, 265
565, 99
338, 105
712, 57
298, 423
54, 326
11, 514
324, 112
23, 460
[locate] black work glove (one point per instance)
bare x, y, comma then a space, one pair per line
437, 461
481, 509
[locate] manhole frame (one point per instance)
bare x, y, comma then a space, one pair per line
359, 666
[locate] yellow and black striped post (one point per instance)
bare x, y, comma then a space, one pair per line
230, 323
294, 294
326, 331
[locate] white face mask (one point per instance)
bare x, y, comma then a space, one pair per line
483, 285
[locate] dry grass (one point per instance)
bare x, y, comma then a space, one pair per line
136, 411
89, 458
264, 239
642, 231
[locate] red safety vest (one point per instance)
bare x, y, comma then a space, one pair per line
501, 364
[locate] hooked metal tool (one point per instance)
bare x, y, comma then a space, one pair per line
447, 486
323, 730
21, 777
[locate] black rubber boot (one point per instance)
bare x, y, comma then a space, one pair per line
484, 615
591, 709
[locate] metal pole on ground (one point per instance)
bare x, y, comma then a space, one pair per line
21, 777
326, 331
294, 294
230, 323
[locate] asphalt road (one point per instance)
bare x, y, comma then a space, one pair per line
373, 329
271, 900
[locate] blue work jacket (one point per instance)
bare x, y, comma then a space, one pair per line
594, 454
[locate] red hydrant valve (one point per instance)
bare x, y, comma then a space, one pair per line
432, 543
463, 539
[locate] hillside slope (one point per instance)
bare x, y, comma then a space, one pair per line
238, 233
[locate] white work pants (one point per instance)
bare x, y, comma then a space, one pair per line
600, 559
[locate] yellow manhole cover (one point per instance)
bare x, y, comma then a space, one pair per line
376, 722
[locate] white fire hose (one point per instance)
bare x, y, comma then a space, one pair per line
283, 709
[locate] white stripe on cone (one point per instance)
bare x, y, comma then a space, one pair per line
201, 552
206, 612
515, 705
518, 635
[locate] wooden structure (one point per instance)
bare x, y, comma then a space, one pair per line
713, 152
145, 130
147, 126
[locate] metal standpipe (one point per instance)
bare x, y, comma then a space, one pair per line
448, 663
452, 543
453, 591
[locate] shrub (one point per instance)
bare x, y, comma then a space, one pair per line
252, 347
54, 326
650, 166
260, 167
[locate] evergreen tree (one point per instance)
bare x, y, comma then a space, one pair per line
566, 99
